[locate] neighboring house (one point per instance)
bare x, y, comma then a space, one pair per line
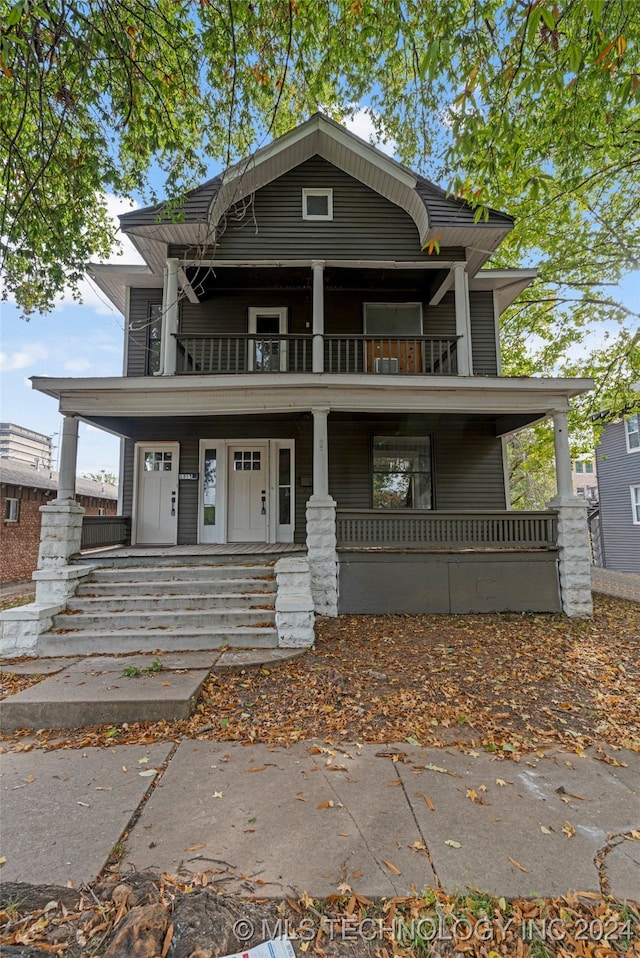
25, 445
618, 457
584, 479
23, 489
312, 356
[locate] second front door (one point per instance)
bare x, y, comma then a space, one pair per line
248, 493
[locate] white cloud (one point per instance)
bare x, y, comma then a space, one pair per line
362, 125
22, 358
77, 365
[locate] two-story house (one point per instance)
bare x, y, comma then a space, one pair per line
618, 456
312, 357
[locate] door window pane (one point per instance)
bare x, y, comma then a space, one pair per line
402, 473
247, 460
157, 462
284, 487
209, 487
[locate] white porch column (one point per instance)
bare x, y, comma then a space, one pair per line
170, 318
574, 553
318, 315
463, 320
320, 453
321, 525
563, 454
68, 459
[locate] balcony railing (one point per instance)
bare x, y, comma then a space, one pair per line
101, 531
253, 353
410, 528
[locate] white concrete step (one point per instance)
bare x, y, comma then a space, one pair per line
169, 602
190, 573
147, 587
114, 642
164, 620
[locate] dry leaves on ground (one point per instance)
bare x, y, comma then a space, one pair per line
505, 682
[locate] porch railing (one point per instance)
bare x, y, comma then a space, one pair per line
248, 353
102, 531
411, 528
403, 355
253, 353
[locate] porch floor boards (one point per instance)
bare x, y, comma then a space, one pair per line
207, 549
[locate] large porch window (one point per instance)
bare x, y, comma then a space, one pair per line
402, 472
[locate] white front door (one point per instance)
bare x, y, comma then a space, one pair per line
248, 494
157, 494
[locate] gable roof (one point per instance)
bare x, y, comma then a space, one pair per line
437, 216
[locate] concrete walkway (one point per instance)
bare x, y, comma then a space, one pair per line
276, 821
623, 585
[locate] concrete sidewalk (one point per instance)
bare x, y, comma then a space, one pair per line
272, 821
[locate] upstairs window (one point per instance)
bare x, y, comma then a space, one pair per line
632, 432
635, 504
317, 204
577, 465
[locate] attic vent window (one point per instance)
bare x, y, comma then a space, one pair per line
317, 204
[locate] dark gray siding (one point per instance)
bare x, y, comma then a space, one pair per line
227, 313
618, 470
365, 225
127, 481
483, 334
468, 471
189, 431
139, 302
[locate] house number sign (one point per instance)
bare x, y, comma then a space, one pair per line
188, 475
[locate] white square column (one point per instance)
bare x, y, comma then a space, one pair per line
463, 320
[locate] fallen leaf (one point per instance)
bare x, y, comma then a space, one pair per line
258, 768
500, 782
452, 844
84, 804
568, 829
195, 848
392, 868
545, 831
357, 873
327, 804
517, 864
218, 795
148, 772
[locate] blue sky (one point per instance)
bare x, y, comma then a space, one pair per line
86, 340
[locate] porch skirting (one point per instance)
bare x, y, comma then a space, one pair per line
380, 581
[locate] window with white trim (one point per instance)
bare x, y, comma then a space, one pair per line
11, 510
632, 432
635, 504
317, 204
402, 472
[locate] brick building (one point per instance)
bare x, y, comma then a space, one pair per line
23, 489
